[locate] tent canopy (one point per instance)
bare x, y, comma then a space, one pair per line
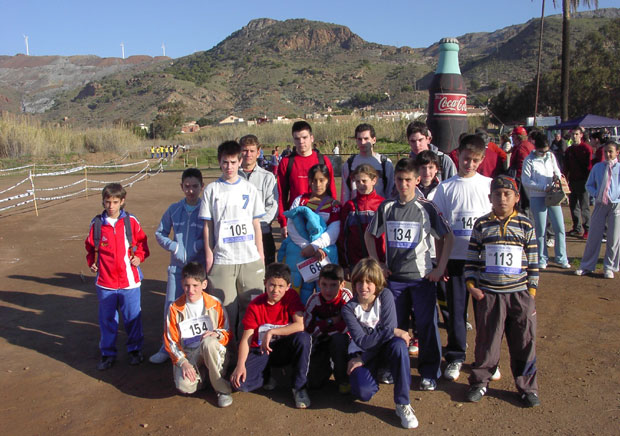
588, 121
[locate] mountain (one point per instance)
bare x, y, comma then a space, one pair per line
271, 68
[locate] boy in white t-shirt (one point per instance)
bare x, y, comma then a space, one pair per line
231, 207
461, 199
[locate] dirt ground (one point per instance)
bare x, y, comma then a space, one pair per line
49, 350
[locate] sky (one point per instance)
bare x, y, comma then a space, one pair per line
73, 27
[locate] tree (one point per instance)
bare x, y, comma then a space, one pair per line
568, 6
168, 121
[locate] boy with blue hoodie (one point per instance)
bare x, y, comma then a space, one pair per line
187, 245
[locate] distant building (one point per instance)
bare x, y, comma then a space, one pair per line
190, 127
231, 119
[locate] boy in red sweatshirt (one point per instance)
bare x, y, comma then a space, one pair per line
116, 246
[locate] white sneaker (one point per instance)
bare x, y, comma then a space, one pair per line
159, 357
224, 400
407, 416
496, 375
608, 274
550, 243
582, 272
452, 371
302, 400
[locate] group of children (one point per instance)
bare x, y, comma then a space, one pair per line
470, 237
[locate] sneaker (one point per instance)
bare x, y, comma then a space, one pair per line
530, 399
385, 376
135, 357
452, 371
468, 326
496, 375
566, 265
344, 388
550, 243
106, 363
224, 400
585, 235
160, 357
407, 416
302, 400
542, 265
575, 234
414, 349
608, 274
475, 394
582, 272
428, 384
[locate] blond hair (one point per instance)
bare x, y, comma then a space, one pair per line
369, 270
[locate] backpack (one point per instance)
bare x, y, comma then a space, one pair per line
383, 175
97, 233
286, 186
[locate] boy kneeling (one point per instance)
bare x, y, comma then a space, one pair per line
196, 335
273, 335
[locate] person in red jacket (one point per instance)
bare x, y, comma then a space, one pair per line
356, 215
115, 256
521, 149
494, 157
577, 166
292, 173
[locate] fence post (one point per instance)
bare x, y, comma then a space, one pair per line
34, 195
86, 180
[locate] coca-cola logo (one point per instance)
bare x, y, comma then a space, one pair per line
450, 104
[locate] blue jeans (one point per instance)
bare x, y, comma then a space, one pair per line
539, 211
127, 301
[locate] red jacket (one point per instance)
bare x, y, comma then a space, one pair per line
519, 153
578, 162
493, 163
115, 270
298, 183
351, 243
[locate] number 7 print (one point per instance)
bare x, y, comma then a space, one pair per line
246, 197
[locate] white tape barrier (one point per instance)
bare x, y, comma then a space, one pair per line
6, 170
140, 175
15, 186
70, 170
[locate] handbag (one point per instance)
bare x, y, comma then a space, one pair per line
555, 197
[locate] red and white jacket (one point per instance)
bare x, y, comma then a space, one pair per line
115, 269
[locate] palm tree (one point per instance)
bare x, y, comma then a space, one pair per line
568, 6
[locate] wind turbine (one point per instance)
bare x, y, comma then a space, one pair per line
123, 49
27, 49
163, 47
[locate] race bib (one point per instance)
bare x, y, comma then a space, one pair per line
192, 329
503, 259
262, 331
463, 223
403, 234
311, 268
233, 231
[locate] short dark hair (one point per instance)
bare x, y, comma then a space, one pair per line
540, 140
194, 270
365, 127
599, 136
332, 271
228, 148
473, 143
113, 190
406, 165
417, 127
298, 126
278, 270
426, 157
483, 134
192, 172
249, 140
612, 143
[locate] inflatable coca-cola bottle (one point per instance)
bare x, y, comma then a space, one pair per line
447, 100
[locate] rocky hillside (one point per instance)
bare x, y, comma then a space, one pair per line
271, 68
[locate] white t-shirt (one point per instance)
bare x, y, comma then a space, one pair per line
232, 207
462, 201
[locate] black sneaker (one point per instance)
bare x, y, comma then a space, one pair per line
475, 393
530, 399
135, 357
105, 363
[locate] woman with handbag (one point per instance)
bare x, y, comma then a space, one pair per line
541, 178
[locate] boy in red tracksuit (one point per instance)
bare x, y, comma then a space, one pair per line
115, 252
356, 215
